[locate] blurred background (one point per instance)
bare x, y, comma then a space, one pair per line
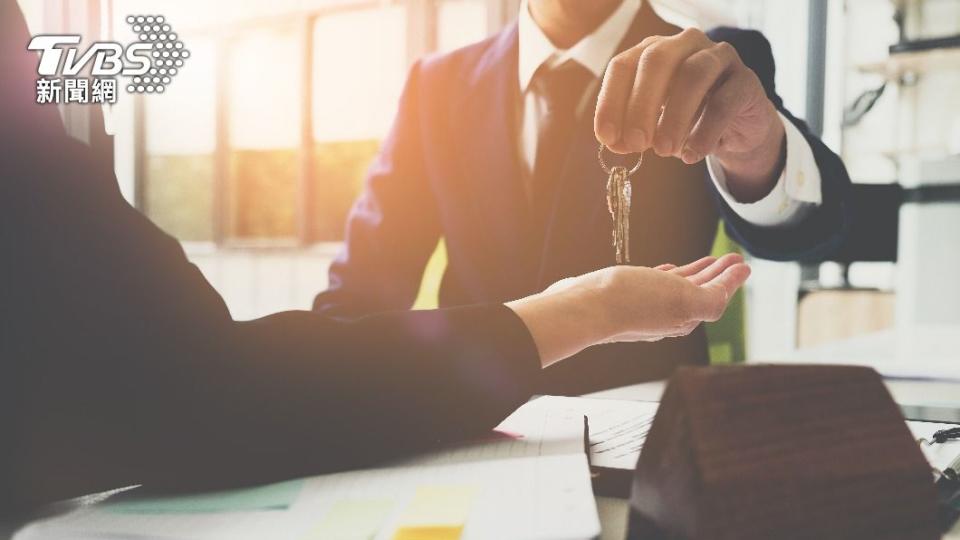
257, 149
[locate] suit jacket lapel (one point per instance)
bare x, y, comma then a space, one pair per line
487, 155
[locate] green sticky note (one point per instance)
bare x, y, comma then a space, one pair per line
358, 519
270, 497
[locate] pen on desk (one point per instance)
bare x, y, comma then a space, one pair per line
942, 436
586, 438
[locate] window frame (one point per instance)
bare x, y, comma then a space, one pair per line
421, 39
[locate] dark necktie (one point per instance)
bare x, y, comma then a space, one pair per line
561, 89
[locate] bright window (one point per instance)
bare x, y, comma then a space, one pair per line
459, 23
355, 97
263, 86
266, 135
178, 184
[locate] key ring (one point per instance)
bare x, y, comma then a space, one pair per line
606, 168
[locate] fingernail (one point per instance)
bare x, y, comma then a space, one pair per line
689, 156
608, 133
663, 147
636, 139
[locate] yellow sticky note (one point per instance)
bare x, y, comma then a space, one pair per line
436, 513
358, 519
428, 533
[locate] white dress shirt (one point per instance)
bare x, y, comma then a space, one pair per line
796, 192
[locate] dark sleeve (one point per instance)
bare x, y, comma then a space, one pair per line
129, 369
392, 228
121, 365
823, 229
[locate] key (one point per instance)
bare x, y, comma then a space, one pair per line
618, 203
619, 197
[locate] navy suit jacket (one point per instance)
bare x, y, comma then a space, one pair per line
450, 169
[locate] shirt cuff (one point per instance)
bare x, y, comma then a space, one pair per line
795, 194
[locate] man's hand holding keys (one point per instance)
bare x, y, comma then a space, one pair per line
688, 97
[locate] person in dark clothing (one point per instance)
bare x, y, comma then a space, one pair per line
494, 150
121, 365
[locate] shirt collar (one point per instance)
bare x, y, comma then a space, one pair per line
592, 52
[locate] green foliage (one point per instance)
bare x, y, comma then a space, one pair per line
261, 195
340, 169
727, 337
261, 198
429, 295
179, 195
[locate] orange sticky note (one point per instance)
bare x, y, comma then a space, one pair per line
428, 533
436, 513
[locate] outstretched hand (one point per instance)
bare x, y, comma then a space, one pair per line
628, 303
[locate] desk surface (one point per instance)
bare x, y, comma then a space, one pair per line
929, 351
614, 512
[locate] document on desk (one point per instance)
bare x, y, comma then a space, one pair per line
529, 481
617, 428
531, 431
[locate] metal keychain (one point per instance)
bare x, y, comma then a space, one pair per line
619, 196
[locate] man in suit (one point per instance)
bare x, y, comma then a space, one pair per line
494, 149
120, 364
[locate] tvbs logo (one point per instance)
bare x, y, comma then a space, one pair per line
149, 64
108, 58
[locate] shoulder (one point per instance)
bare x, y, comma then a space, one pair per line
449, 71
461, 60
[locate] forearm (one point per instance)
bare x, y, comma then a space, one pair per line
297, 394
562, 324
806, 214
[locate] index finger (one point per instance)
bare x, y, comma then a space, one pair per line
614, 93
709, 272
654, 73
695, 267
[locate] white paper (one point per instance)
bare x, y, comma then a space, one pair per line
531, 431
617, 428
